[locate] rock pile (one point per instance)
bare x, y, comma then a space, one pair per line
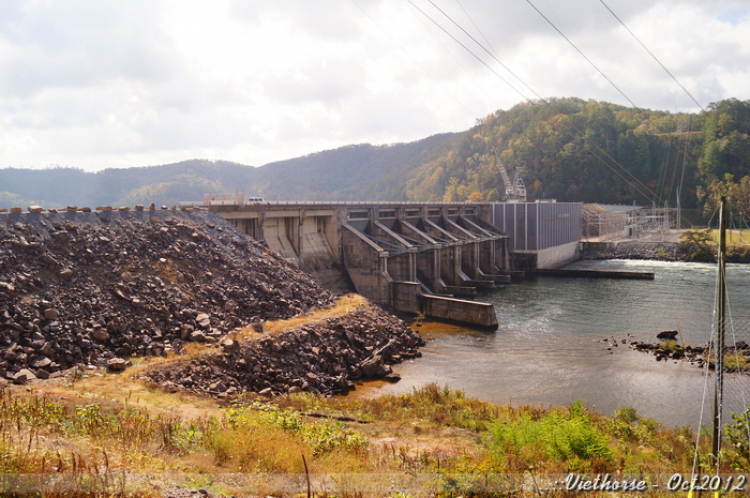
94, 286
325, 357
673, 351
663, 251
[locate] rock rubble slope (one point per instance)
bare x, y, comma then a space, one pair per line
91, 287
327, 356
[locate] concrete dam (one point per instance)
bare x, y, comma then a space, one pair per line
418, 258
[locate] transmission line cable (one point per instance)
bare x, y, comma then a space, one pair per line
652, 55
582, 54
480, 46
710, 116
412, 58
452, 56
656, 196
467, 49
568, 120
477, 27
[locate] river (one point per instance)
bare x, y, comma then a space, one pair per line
554, 343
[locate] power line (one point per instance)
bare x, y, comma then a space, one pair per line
582, 54
588, 145
477, 27
467, 48
710, 116
452, 56
652, 55
412, 57
483, 48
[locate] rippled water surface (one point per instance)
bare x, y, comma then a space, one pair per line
552, 344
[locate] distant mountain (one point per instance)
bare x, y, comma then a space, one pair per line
568, 149
354, 172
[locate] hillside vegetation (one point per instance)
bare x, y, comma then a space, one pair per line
568, 149
574, 150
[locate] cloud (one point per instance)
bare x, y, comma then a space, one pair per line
102, 83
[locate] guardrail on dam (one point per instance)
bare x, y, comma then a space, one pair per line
414, 257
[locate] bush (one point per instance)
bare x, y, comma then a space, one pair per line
695, 244
323, 437
738, 434
569, 438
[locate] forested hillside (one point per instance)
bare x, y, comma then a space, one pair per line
566, 149
574, 150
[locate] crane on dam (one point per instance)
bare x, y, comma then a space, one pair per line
515, 190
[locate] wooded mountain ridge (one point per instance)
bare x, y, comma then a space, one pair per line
568, 149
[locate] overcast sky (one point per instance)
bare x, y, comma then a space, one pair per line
99, 84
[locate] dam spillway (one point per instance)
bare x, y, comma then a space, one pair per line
428, 258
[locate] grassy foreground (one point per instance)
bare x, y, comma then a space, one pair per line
103, 434
69, 442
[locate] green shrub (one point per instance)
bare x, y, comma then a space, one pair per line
323, 437
696, 245
570, 438
738, 435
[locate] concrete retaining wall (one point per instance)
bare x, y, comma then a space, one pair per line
557, 256
458, 310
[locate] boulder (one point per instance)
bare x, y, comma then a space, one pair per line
61, 236
203, 320
118, 364
667, 334
42, 362
100, 334
198, 336
23, 376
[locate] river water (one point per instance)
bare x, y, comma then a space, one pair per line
554, 344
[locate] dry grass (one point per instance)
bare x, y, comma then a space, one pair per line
344, 305
430, 430
125, 390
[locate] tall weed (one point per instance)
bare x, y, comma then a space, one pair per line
570, 438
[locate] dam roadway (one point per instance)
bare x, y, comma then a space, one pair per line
418, 258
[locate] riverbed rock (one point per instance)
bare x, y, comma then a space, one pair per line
667, 334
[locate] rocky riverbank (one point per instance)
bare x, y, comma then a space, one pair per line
629, 249
660, 251
101, 287
326, 356
736, 358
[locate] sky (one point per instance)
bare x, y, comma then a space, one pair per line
96, 84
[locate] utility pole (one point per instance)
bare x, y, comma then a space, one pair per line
719, 344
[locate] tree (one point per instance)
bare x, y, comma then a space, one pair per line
475, 197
